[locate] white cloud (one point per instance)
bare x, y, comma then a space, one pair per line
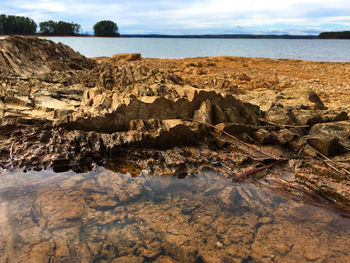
187, 16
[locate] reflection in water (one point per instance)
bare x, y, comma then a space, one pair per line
110, 217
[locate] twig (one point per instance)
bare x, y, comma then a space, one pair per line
11, 152
283, 125
301, 150
284, 182
328, 164
232, 137
332, 165
253, 171
293, 196
3, 166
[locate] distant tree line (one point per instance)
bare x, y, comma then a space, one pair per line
59, 28
10, 25
334, 35
16, 25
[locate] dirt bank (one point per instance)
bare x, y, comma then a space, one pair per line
61, 109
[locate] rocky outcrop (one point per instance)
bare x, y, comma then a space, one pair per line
40, 79
109, 111
28, 57
58, 107
121, 77
120, 58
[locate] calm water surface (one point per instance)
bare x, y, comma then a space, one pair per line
304, 49
315, 50
104, 216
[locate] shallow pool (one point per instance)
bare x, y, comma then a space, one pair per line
104, 216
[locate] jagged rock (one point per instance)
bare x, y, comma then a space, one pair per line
285, 136
177, 102
40, 79
236, 129
204, 113
278, 114
27, 57
57, 106
126, 76
298, 97
328, 146
125, 57
302, 97
340, 130
263, 136
308, 117
233, 115
218, 114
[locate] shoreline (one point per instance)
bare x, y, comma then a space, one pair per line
189, 36
104, 108
261, 146
205, 36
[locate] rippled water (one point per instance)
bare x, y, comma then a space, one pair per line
104, 216
305, 49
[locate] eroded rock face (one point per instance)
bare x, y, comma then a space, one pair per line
39, 78
28, 57
108, 111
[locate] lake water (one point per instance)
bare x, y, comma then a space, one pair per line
105, 216
304, 49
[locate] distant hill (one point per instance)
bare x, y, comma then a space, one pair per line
334, 35
228, 36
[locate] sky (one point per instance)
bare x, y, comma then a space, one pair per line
192, 16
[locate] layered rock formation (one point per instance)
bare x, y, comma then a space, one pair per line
59, 108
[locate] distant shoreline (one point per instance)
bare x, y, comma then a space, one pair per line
224, 36
220, 36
